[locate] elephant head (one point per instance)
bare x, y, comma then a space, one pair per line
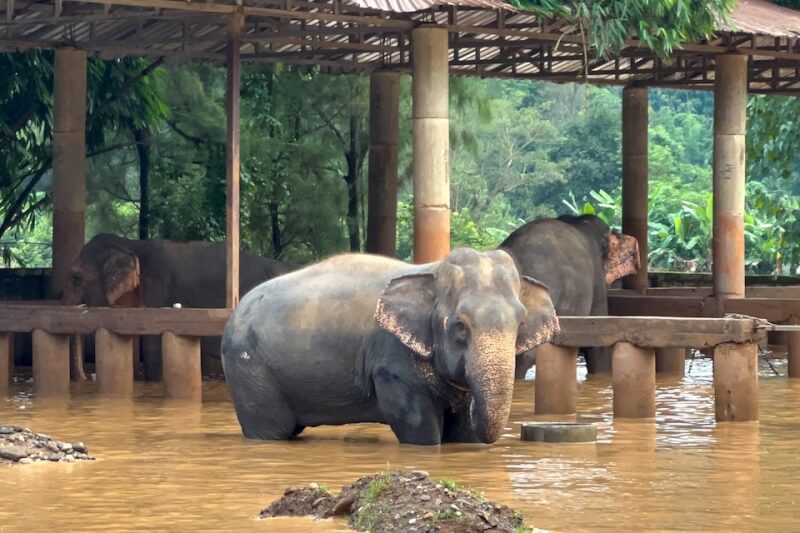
106, 274
620, 252
469, 316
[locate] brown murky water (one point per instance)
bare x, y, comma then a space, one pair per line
174, 467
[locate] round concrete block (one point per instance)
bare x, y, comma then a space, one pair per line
558, 432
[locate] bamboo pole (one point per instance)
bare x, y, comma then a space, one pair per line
232, 163
384, 114
69, 162
634, 178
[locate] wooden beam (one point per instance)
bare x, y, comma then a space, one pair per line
232, 163
123, 321
656, 332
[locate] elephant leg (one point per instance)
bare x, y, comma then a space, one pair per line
76, 367
151, 356
457, 428
407, 406
262, 411
598, 360
524, 362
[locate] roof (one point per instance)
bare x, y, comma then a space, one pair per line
488, 38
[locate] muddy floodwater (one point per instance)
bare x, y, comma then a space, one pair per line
169, 466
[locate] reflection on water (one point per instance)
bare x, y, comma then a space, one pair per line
172, 466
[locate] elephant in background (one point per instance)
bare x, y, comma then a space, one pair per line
112, 271
577, 258
427, 349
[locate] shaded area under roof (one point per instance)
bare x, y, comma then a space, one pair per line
488, 38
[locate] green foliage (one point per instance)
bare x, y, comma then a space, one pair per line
449, 484
661, 24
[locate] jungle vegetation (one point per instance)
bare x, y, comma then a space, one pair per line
520, 150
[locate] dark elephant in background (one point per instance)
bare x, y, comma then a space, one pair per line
112, 271
577, 258
428, 349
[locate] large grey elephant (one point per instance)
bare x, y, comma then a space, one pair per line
428, 349
577, 257
112, 271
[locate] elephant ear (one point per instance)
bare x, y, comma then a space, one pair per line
541, 322
620, 256
404, 310
121, 274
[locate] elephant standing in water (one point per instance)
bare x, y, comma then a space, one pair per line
111, 271
428, 349
577, 258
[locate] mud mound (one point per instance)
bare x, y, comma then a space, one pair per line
22, 446
401, 501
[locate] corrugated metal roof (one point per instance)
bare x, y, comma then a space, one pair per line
765, 18
410, 6
749, 16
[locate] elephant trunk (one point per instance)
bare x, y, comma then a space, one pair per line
490, 375
77, 371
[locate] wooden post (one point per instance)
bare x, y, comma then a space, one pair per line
69, 162
736, 382
114, 363
556, 385
730, 109
232, 163
634, 178
634, 381
182, 372
6, 362
384, 113
431, 153
671, 361
50, 364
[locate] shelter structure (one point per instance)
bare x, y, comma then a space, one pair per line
757, 52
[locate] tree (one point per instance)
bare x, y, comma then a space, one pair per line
661, 24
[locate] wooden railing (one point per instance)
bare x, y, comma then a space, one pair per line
633, 341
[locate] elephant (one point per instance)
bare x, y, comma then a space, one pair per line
112, 271
577, 257
427, 349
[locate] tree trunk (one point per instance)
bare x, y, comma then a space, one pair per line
142, 138
351, 178
277, 244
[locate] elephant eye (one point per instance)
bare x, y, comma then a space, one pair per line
458, 332
76, 279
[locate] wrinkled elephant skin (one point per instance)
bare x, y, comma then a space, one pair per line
115, 272
576, 258
428, 349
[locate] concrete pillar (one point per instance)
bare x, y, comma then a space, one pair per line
69, 162
736, 382
182, 372
556, 384
791, 340
6, 362
671, 361
730, 107
634, 381
232, 163
431, 132
50, 364
384, 115
634, 178
114, 363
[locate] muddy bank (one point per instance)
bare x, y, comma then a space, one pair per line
20, 445
401, 501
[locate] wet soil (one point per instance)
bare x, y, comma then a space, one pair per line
20, 445
401, 501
